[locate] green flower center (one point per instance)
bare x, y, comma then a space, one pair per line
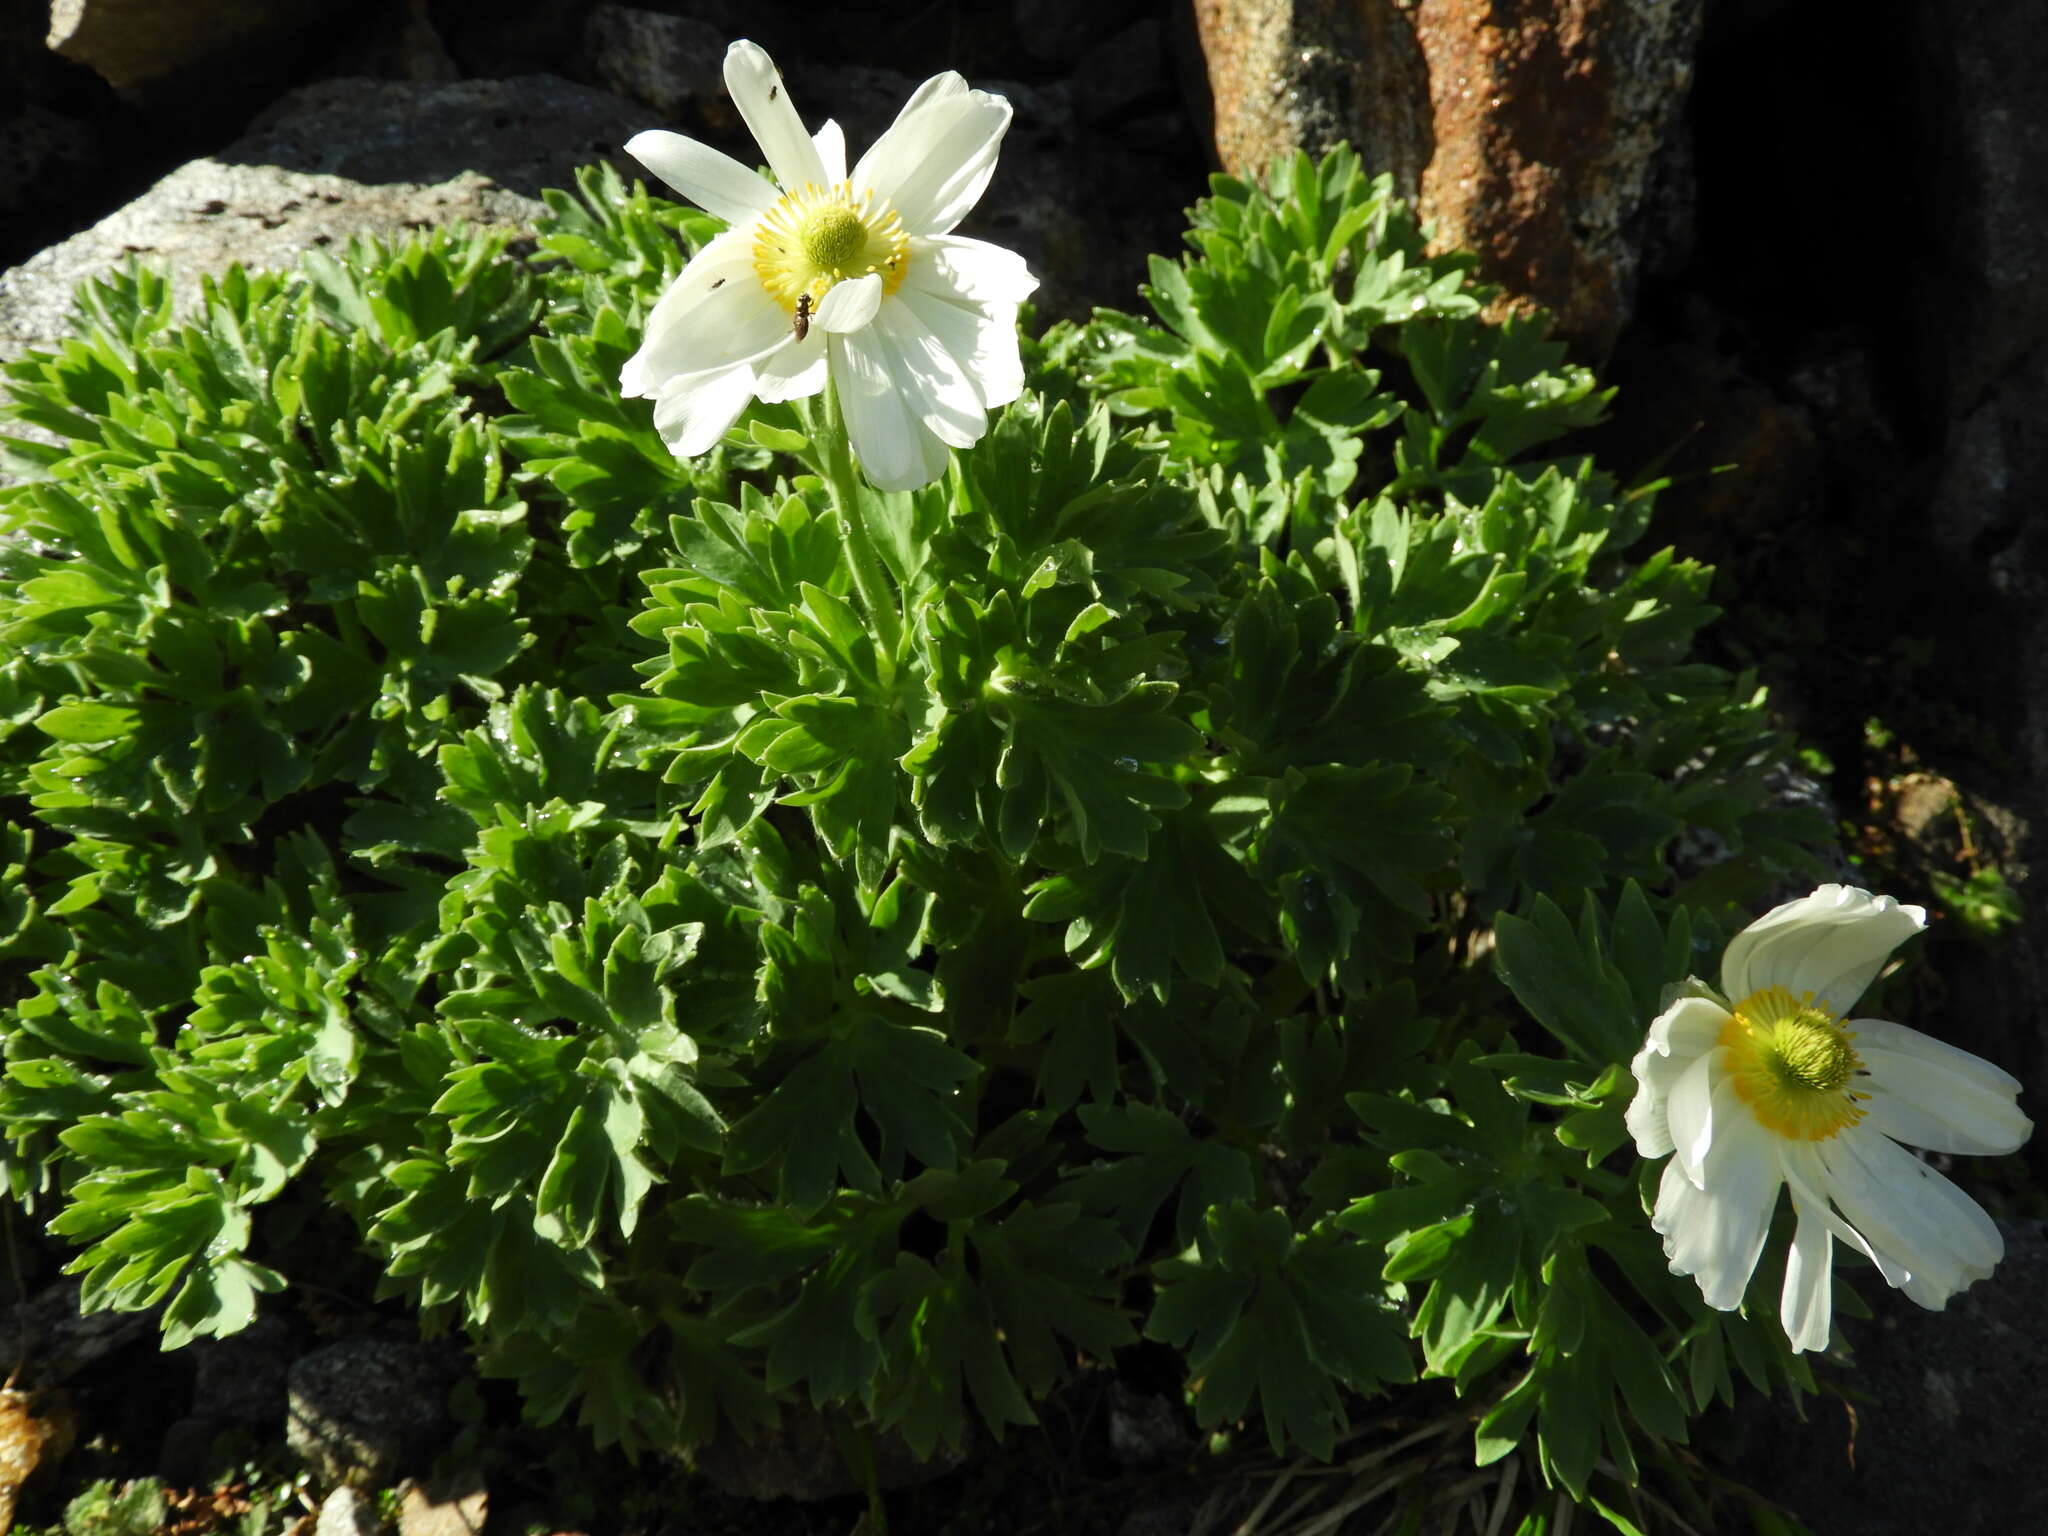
1792, 1062
817, 236
833, 238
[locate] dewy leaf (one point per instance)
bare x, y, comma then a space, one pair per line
1156, 919
1282, 1319
1095, 757
1160, 1157
903, 1078
1354, 853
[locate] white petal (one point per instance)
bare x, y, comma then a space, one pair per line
1645, 1117
795, 372
1830, 944
974, 269
715, 182
709, 319
895, 450
850, 306
757, 90
1806, 1306
1936, 1053
934, 161
1715, 1230
1806, 1177
981, 339
943, 397
694, 412
830, 142
1931, 1104
1678, 1036
1906, 1210
1691, 1109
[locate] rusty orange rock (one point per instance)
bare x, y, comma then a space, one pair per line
1530, 135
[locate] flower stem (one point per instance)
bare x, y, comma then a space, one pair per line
870, 578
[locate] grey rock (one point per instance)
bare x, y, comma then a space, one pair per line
802, 1458
672, 65
1951, 1415
346, 1512
453, 1505
337, 159
207, 215
1124, 75
1060, 31
51, 1341
525, 134
241, 1378
1144, 1430
134, 44
39, 147
363, 1411
1982, 300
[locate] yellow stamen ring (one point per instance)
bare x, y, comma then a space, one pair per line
817, 236
1791, 1062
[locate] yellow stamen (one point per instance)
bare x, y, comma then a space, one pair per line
817, 236
1792, 1063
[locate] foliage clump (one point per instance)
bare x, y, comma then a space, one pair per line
422, 796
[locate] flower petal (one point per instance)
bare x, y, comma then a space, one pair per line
975, 269
895, 450
1685, 1031
1938, 1234
1830, 944
943, 397
830, 143
980, 333
1806, 1306
695, 411
935, 160
757, 90
795, 372
1806, 1177
850, 306
714, 315
1715, 1230
1691, 1108
1929, 1094
714, 181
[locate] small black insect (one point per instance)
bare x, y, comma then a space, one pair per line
801, 325
774, 91
719, 284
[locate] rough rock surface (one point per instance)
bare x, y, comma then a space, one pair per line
801, 1459
207, 215
1948, 1421
1531, 135
525, 134
672, 65
337, 159
46, 1340
132, 44
346, 1512
363, 1411
1981, 334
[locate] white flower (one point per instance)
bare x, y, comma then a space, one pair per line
859, 275
1768, 1083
